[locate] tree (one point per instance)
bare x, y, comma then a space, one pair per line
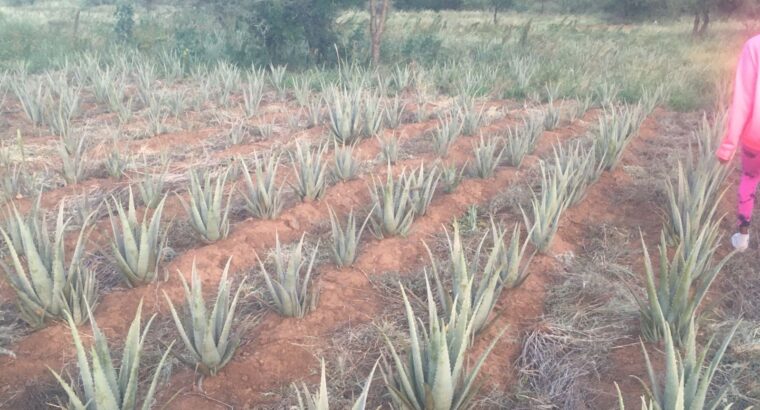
282, 27
701, 11
499, 5
125, 21
378, 13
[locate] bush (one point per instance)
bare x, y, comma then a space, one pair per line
125, 22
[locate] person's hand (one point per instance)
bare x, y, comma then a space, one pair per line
723, 161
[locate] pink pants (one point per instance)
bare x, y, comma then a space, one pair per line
747, 186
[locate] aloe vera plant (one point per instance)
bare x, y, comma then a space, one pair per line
372, 115
290, 288
548, 208
207, 335
688, 377
512, 261
115, 164
394, 209
311, 172
389, 148
470, 117
451, 177
253, 93
472, 285
151, 188
344, 107
345, 167
277, 78
14, 182
394, 112
45, 285
692, 201
694, 195
676, 290
345, 240
445, 134
552, 116
33, 220
616, 129
32, 96
422, 188
72, 163
433, 373
579, 167
523, 140
487, 157
209, 217
102, 387
321, 401
137, 246
263, 199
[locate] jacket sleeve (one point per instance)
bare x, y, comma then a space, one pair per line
742, 103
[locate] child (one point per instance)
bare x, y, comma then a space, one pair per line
744, 133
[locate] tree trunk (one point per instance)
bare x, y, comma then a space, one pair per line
695, 27
705, 21
377, 16
495, 11
75, 32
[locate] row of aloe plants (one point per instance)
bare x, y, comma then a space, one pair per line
677, 285
566, 177
138, 245
137, 248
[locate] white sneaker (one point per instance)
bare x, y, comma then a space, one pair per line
740, 241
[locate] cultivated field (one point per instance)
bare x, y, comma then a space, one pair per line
463, 226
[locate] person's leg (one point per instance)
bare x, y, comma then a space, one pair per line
746, 197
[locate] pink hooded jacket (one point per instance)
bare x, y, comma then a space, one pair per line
743, 121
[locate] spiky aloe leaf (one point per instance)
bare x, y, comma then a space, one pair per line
445, 134
615, 131
344, 109
422, 188
523, 140
686, 379
311, 172
579, 167
372, 114
290, 286
477, 287
548, 208
209, 217
151, 188
470, 117
46, 286
433, 376
394, 209
207, 336
677, 288
263, 198
451, 177
72, 163
512, 262
102, 387
320, 400
487, 157
137, 246
389, 148
345, 241
346, 167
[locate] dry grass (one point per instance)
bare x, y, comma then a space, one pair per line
587, 313
739, 292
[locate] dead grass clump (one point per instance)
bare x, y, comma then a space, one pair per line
587, 314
